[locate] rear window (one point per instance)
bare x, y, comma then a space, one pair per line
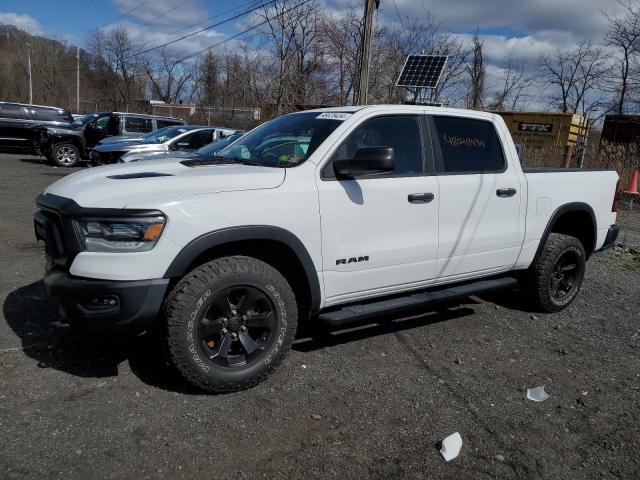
138, 124
468, 146
167, 123
52, 114
13, 111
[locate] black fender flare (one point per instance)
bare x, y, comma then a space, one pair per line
216, 238
561, 210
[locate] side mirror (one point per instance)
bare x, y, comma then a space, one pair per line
173, 146
367, 160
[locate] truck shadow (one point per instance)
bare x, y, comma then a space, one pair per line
33, 316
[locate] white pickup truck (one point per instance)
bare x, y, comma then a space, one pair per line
330, 215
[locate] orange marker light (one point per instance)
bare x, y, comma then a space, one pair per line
154, 231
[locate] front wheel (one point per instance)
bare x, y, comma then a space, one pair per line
65, 155
230, 322
555, 278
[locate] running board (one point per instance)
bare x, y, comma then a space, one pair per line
353, 313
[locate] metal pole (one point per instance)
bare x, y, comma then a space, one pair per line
78, 82
365, 50
30, 83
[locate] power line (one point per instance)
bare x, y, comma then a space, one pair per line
228, 39
163, 14
203, 29
126, 13
398, 13
238, 7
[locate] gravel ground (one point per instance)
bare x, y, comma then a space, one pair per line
366, 402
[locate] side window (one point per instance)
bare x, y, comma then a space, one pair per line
468, 146
167, 123
138, 125
101, 123
14, 111
402, 132
52, 115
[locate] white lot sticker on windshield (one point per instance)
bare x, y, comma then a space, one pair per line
182, 130
334, 116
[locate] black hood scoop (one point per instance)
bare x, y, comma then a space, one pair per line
129, 176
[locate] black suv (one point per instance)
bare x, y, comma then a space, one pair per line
68, 144
18, 119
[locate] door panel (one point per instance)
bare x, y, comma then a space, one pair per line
478, 229
379, 232
479, 198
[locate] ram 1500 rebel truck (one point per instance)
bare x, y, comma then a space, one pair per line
329, 215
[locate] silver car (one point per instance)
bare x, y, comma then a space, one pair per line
170, 139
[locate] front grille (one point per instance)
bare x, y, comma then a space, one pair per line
58, 232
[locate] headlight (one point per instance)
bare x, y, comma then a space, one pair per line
135, 234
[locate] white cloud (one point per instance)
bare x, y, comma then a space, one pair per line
23, 22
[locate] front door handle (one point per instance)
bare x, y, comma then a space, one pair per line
506, 192
420, 197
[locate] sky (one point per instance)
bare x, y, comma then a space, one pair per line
520, 29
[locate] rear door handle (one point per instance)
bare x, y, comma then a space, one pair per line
506, 192
420, 197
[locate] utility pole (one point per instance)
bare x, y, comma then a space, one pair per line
365, 50
78, 81
30, 83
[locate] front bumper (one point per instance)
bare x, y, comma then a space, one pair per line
612, 236
107, 304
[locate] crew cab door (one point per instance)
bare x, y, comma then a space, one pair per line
96, 130
380, 231
480, 198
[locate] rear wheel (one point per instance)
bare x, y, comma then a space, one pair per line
556, 277
65, 155
230, 322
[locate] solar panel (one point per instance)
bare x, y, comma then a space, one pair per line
422, 71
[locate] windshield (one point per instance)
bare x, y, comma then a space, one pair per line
84, 119
215, 147
285, 141
164, 134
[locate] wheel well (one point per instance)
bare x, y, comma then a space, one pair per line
579, 224
277, 254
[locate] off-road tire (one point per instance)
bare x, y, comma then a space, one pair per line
65, 155
188, 303
539, 277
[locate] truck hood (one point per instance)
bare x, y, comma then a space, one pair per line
119, 138
126, 184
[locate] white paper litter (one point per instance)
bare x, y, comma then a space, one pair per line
451, 446
537, 394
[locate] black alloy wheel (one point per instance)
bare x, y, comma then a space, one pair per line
563, 279
236, 327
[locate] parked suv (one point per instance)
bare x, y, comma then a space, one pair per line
66, 145
17, 120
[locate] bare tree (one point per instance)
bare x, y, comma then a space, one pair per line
115, 52
513, 84
573, 74
476, 70
624, 36
170, 77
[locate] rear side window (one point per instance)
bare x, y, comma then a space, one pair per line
402, 132
52, 114
138, 124
13, 111
167, 123
468, 146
